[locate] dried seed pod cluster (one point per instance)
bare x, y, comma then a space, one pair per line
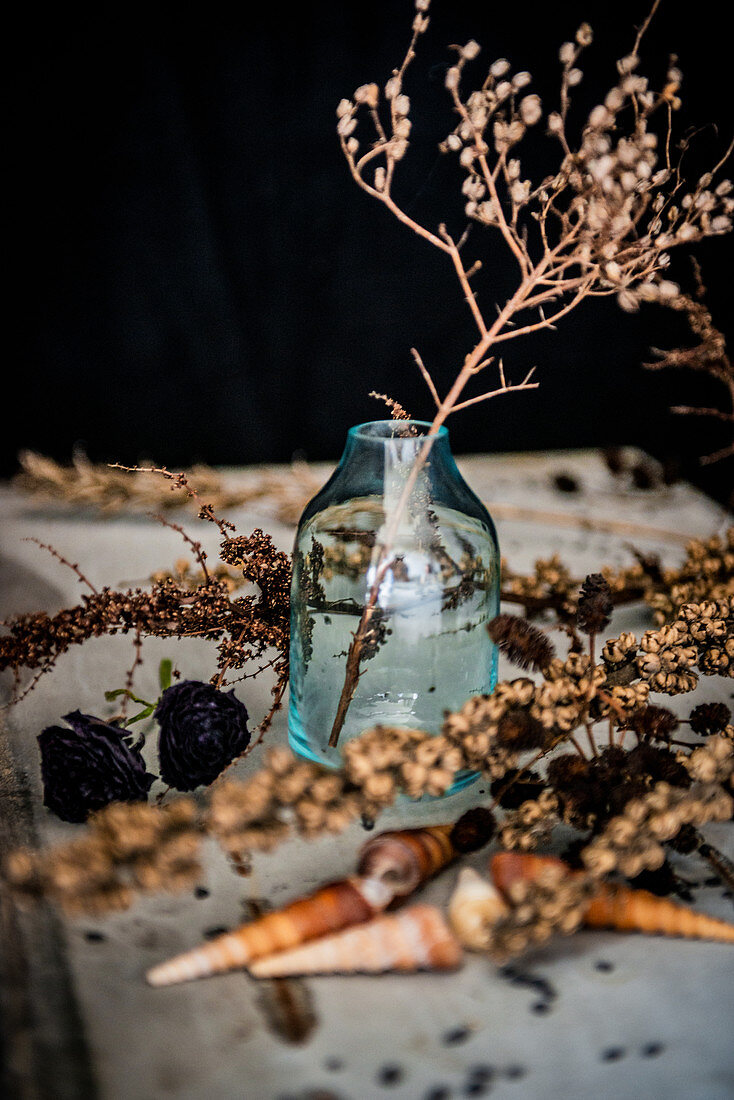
618, 655
388, 759
707, 573
632, 842
531, 825
702, 637
250, 816
128, 848
712, 762
547, 901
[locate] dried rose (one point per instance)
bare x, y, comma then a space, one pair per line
202, 730
88, 766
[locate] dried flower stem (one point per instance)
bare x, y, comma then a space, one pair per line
598, 222
60, 558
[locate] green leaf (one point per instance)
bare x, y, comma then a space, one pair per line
110, 695
165, 673
142, 714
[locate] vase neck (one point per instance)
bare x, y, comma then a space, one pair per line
391, 447
379, 462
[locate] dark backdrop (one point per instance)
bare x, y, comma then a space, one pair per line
198, 279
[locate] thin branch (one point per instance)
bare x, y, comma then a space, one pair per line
525, 385
196, 547
464, 281
428, 380
60, 558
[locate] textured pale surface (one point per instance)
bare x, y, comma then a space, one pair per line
655, 1021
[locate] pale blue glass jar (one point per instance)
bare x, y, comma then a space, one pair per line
396, 530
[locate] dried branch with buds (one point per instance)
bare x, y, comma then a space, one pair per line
602, 225
707, 355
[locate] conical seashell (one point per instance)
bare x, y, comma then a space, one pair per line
509, 867
640, 911
474, 907
407, 857
416, 938
620, 907
333, 907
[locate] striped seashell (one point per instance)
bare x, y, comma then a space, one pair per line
335, 906
619, 907
509, 867
416, 938
640, 911
407, 857
474, 907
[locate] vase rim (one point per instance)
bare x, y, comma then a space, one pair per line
380, 431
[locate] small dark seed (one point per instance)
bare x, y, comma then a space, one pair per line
604, 965
212, 933
479, 1080
201, 892
390, 1075
651, 1050
438, 1092
565, 483
94, 937
514, 1073
456, 1035
612, 1054
540, 1008
476, 1087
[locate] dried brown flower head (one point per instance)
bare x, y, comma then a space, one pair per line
708, 718
473, 830
521, 642
654, 723
594, 608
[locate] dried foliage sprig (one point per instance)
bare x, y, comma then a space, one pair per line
707, 355
603, 224
247, 629
706, 573
110, 489
628, 802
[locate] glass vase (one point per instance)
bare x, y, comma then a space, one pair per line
395, 577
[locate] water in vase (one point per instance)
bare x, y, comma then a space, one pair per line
427, 649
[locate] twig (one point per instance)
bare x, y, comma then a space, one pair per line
60, 558
427, 377
607, 239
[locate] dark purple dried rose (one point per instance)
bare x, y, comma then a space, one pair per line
88, 766
202, 730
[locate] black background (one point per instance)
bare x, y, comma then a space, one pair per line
197, 278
